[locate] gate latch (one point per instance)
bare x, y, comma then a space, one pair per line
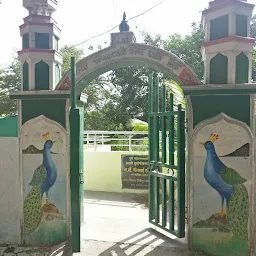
81, 177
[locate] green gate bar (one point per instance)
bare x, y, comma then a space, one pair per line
159, 181
171, 162
151, 145
74, 119
181, 171
163, 125
156, 119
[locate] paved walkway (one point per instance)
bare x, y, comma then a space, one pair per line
115, 225
99, 248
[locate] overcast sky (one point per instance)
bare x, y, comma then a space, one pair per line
82, 19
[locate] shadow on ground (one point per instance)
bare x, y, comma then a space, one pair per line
125, 248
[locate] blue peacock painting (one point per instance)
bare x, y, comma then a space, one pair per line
231, 189
43, 180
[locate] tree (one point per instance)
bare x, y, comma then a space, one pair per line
188, 48
253, 26
10, 81
127, 96
68, 51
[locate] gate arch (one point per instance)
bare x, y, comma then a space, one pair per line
123, 55
122, 52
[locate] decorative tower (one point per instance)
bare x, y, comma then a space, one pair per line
40, 57
227, 50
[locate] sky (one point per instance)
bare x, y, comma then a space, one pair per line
84, 18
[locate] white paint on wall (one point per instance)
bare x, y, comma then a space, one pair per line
231, 137
10, 197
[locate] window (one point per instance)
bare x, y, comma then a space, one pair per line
219, 28
25, 41
242, 68
219, 69
42, 76
42, 41
57, 74
241, 25
25, 78
56, 43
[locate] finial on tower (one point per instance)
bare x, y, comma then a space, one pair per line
124, 27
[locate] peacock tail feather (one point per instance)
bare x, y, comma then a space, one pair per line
32, 210
239, 212
38, 176
231, 177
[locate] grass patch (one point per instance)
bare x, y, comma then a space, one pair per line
219, 244
48, 233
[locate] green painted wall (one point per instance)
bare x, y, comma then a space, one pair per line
219, 69
219, 28
236, 106
25, 41
241, 25
52, 109
25, 76
242, 68
9, 127
42, 76
42, 41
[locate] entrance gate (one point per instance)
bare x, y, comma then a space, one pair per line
167, 173
215, 120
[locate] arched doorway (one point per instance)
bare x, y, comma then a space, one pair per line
120, 55
123, 52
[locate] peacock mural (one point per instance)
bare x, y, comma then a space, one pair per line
43, 179
229, 184
221, 189
44, 220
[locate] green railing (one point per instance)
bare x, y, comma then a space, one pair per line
167, 173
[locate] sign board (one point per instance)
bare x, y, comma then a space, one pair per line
134, 171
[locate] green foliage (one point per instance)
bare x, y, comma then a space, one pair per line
253, 26
188, 48
129, 94
219, 243
10, 81
140, 128
67, 52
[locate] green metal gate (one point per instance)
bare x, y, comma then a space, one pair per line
167, 169
76, 179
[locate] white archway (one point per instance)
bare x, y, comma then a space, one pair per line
125, 54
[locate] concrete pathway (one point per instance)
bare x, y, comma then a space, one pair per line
115, 225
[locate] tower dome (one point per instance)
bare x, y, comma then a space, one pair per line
124, 27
